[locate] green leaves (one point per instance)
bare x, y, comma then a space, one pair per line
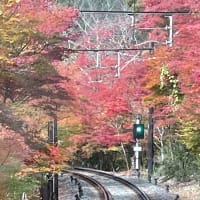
16, 186
190, 136
169, 82
179, 163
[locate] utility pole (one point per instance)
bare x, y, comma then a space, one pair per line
52, 186
150, 144
53, 177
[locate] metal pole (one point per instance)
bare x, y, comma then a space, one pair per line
55, 186
50, 186
118, 64
137, 157
170, 30
137, 148
53, 177
138, 120
55, 131
150, 144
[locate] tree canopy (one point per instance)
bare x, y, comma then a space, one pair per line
78, 67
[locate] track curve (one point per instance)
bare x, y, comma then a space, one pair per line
104, 194
139, 195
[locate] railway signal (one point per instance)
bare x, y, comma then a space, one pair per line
52, 132
138, 131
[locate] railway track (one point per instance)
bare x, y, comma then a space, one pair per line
110, 187
104, 194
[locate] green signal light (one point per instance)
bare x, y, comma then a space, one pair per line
138, 131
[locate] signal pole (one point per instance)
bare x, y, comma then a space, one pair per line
137, 148
150, 144
53, 179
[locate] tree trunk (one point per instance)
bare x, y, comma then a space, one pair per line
125, 157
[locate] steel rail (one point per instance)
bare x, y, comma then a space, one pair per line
141, 194
103, 193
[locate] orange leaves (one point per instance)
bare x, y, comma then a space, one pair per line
26, 22
57, 21
41, 162
80, 139
47, 17
30, 32
53, 156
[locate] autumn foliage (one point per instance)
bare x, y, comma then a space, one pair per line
168, 79
31, 81
99, 93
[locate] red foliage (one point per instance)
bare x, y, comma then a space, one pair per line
46, 16
108, 104
182, 59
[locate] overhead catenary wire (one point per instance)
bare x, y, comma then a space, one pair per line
132, 14
114, 50
136, 12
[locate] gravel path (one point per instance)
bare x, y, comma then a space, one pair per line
156, 192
